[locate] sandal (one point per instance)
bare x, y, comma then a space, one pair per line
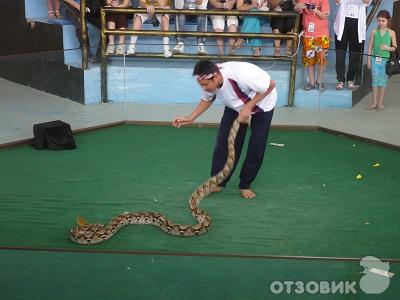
57, 14
277, 52
340, 85
238, 43
321, 86
381, 108
309, 87
351, 86
256, 51
372, 106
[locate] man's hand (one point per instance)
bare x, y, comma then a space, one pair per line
245, 115
179, 121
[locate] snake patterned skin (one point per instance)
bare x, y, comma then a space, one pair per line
87, 234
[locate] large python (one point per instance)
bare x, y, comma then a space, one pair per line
86, 233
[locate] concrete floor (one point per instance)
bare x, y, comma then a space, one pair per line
21, 107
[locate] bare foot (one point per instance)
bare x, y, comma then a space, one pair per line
247, 193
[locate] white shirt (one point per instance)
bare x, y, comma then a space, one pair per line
242, 81
358, 12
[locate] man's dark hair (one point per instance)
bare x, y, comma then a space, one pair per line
205, 67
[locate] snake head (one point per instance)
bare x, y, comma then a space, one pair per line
86, 233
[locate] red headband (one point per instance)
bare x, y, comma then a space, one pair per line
206, 76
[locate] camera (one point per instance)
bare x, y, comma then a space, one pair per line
155, 22
310, 6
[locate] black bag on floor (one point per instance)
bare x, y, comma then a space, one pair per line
54, 135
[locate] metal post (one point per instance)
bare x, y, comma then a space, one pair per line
84, 36
103, 65
293, 64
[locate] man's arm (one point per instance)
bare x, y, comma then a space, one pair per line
245, 113
200, 108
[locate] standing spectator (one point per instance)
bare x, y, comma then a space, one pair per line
282, 25
350, 32
72, 13
180, 22
219, 23
382, 42
163, 19
315, 39
119, 21
53, 9
251, 24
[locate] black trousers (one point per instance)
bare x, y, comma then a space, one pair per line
260, 124
350, 40
73, 15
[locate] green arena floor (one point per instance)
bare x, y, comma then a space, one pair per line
309, 204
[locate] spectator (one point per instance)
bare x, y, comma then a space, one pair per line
180, 23
350, 32
119, 21
382, 42
163, 19
315, 39
219, 23
53, 9
251, 24
72, 13
282, 25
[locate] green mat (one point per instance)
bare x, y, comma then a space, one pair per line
45, 275
309, 201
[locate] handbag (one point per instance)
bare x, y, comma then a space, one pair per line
393, 66
53, 135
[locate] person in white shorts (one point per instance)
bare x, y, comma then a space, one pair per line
219, 23
139, 19
245, 90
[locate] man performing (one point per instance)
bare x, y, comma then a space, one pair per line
248, 91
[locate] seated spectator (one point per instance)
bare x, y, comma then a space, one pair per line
157, 19
282, 25
315, 15
251, 24
119, 21
180, 22
219, 23
72, 13
53, 9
